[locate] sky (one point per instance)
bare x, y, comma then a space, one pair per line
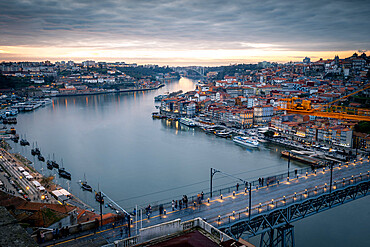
182, 32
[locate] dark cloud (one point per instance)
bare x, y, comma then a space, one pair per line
144, 24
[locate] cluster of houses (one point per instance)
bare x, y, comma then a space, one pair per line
65, 78
253, 98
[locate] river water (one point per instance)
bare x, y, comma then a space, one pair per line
112, 140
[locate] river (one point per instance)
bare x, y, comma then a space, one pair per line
112, 140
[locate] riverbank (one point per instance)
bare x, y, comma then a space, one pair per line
30, 184
110, 128
111, 91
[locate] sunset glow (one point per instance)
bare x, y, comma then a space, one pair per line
181, 32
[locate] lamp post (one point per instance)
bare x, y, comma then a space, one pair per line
213, 172
250, 201
288, 162
331, 175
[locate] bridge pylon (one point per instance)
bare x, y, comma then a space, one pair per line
284, 237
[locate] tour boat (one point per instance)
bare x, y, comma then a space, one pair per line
246, 141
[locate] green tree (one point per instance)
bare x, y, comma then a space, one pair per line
363, 127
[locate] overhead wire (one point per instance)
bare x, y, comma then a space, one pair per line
196, 183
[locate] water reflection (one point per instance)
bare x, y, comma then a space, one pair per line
135, 159
114, 141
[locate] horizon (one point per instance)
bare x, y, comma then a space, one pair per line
191, 63
182, 33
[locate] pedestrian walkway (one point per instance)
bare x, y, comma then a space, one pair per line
218, 209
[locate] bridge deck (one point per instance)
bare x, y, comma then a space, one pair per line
262, 195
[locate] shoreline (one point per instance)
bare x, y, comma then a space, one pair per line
48, 182
109, 92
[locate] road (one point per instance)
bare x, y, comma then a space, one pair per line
11, 165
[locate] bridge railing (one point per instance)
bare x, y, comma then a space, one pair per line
269, 181
266, 181
286, 200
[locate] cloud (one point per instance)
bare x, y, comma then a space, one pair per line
187, 24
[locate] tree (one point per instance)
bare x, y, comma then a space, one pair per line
363, 127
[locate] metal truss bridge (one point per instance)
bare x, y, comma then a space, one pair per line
270, 207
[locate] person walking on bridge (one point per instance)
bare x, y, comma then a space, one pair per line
186, 201
148, 210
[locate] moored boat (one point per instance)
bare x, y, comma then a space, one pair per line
99, 197
85, 186
15, 138
246, 141
13, 131
187, 121
10, 120
158, 115
261, 139
54, 163
40, 157
206, 122
64, 174
49, 165
36, 150
24, 142
223, 133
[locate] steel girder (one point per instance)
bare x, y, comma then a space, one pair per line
284, 237
282, 216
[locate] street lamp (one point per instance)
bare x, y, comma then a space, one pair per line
250, 200
213, 172
331, 175
288, 162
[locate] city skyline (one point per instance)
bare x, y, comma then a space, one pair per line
182, 32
